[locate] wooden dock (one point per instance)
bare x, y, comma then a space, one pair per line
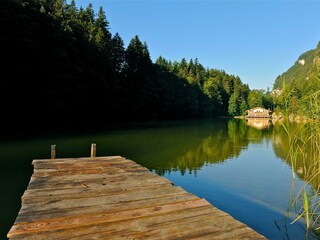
115, 198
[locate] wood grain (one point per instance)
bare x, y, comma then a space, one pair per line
115, 198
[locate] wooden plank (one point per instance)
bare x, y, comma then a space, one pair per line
53, 173
126, 225
96, 193
112, 183
122, 197
93, 162
106, 158
113, 207
115, 198
89, 219
105, 176
117, 182
166, 226
65, 178
79, 166
181, 228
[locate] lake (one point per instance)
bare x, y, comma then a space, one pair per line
238, 166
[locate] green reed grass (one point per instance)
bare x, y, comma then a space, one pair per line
304, 157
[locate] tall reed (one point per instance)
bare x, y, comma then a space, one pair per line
304, 157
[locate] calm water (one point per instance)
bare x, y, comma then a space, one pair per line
240, 169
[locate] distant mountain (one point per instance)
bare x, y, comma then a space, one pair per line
297, 91
306, 67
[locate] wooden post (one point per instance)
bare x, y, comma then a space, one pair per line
53, 151
93, 150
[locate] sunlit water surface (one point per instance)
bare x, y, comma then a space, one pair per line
238, 167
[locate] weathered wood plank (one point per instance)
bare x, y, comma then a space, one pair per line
117, 182
113, 207
152, 227
108, 177
70, 182
80, 159
80, 166
115, 198
92, 176
88, 189
97, 193
89, 219
74, 164
124, 196
139, 224
181, 228
56, 172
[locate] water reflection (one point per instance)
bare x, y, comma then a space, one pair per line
259, 123
301, 150
297, 145
228, 144
238, 166
225, 140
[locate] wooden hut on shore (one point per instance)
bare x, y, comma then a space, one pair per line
258, 112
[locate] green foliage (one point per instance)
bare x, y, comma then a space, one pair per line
137, 57
212, 88
74, 64
118, 53
299, 72
102, 36
303, 156
233, 105
243, 107
255, 98
301, 86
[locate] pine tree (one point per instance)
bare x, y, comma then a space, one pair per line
71, 17
87, 20
72, 11
146, 54
117, 53
59, 8
161, 61
183, 68
137, 57
102, 34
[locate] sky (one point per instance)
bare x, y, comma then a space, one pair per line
256, 40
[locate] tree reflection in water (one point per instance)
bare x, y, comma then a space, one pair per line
296, 145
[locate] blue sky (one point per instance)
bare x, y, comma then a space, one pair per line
254, 39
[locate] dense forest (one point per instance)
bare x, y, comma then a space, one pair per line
297, 91
63, 69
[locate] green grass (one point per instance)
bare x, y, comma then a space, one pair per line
304, 157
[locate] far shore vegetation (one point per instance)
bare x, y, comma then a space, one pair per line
64, 69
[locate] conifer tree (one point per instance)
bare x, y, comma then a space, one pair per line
72, 12
102, 34
89, 22
59, 8
183, 68
118, 53
137, 57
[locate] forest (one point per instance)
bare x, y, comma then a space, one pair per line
297, 91
64, 69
